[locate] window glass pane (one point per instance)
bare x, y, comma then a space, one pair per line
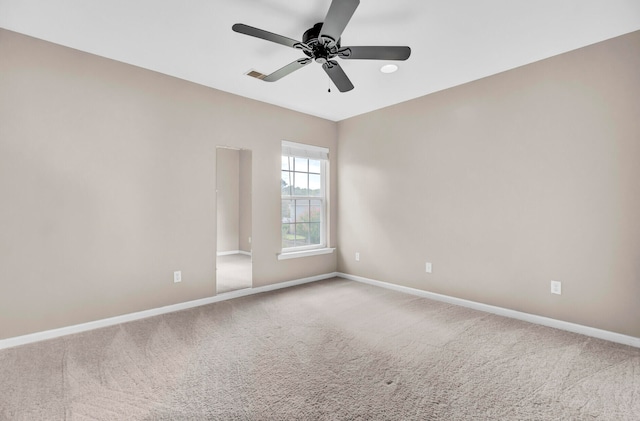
288, 211
302, 234
315, 188
287, 163
302, 220
302, 165
286, 182
302, 211
315, 213
301, 184
288, 235
314, 233
314, 166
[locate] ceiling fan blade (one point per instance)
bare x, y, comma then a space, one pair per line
260, 33
288, 69
338, 76
375, 53
338, 16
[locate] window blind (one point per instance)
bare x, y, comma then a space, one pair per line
304, 151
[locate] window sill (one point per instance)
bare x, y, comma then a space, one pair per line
305, 253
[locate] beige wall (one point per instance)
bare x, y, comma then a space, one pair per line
107, 185
245, 207
108, 177
228, 199
505, 184
233, 175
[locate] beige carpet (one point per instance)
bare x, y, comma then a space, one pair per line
330, 350
233, 272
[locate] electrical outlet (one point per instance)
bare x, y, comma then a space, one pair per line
249, 240
428, 268
556, 287
357, 256
177, 276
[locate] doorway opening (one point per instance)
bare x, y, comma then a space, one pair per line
234, 212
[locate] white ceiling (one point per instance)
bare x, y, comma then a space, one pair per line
452, 41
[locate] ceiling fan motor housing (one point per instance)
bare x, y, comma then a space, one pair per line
321, 50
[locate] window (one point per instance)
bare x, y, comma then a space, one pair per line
303, 187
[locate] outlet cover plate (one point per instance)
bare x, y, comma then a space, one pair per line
177, 276
556, 287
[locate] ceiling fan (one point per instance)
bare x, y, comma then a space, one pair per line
321, 44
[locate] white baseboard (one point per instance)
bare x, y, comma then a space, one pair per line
229, 253
83, 327
531, 318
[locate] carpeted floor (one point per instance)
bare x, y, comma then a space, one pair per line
233, 272
330, 350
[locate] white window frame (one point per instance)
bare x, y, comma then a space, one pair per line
293, 149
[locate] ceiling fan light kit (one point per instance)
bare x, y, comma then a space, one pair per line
321, 44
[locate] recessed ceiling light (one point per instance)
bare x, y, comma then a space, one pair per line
388, 68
